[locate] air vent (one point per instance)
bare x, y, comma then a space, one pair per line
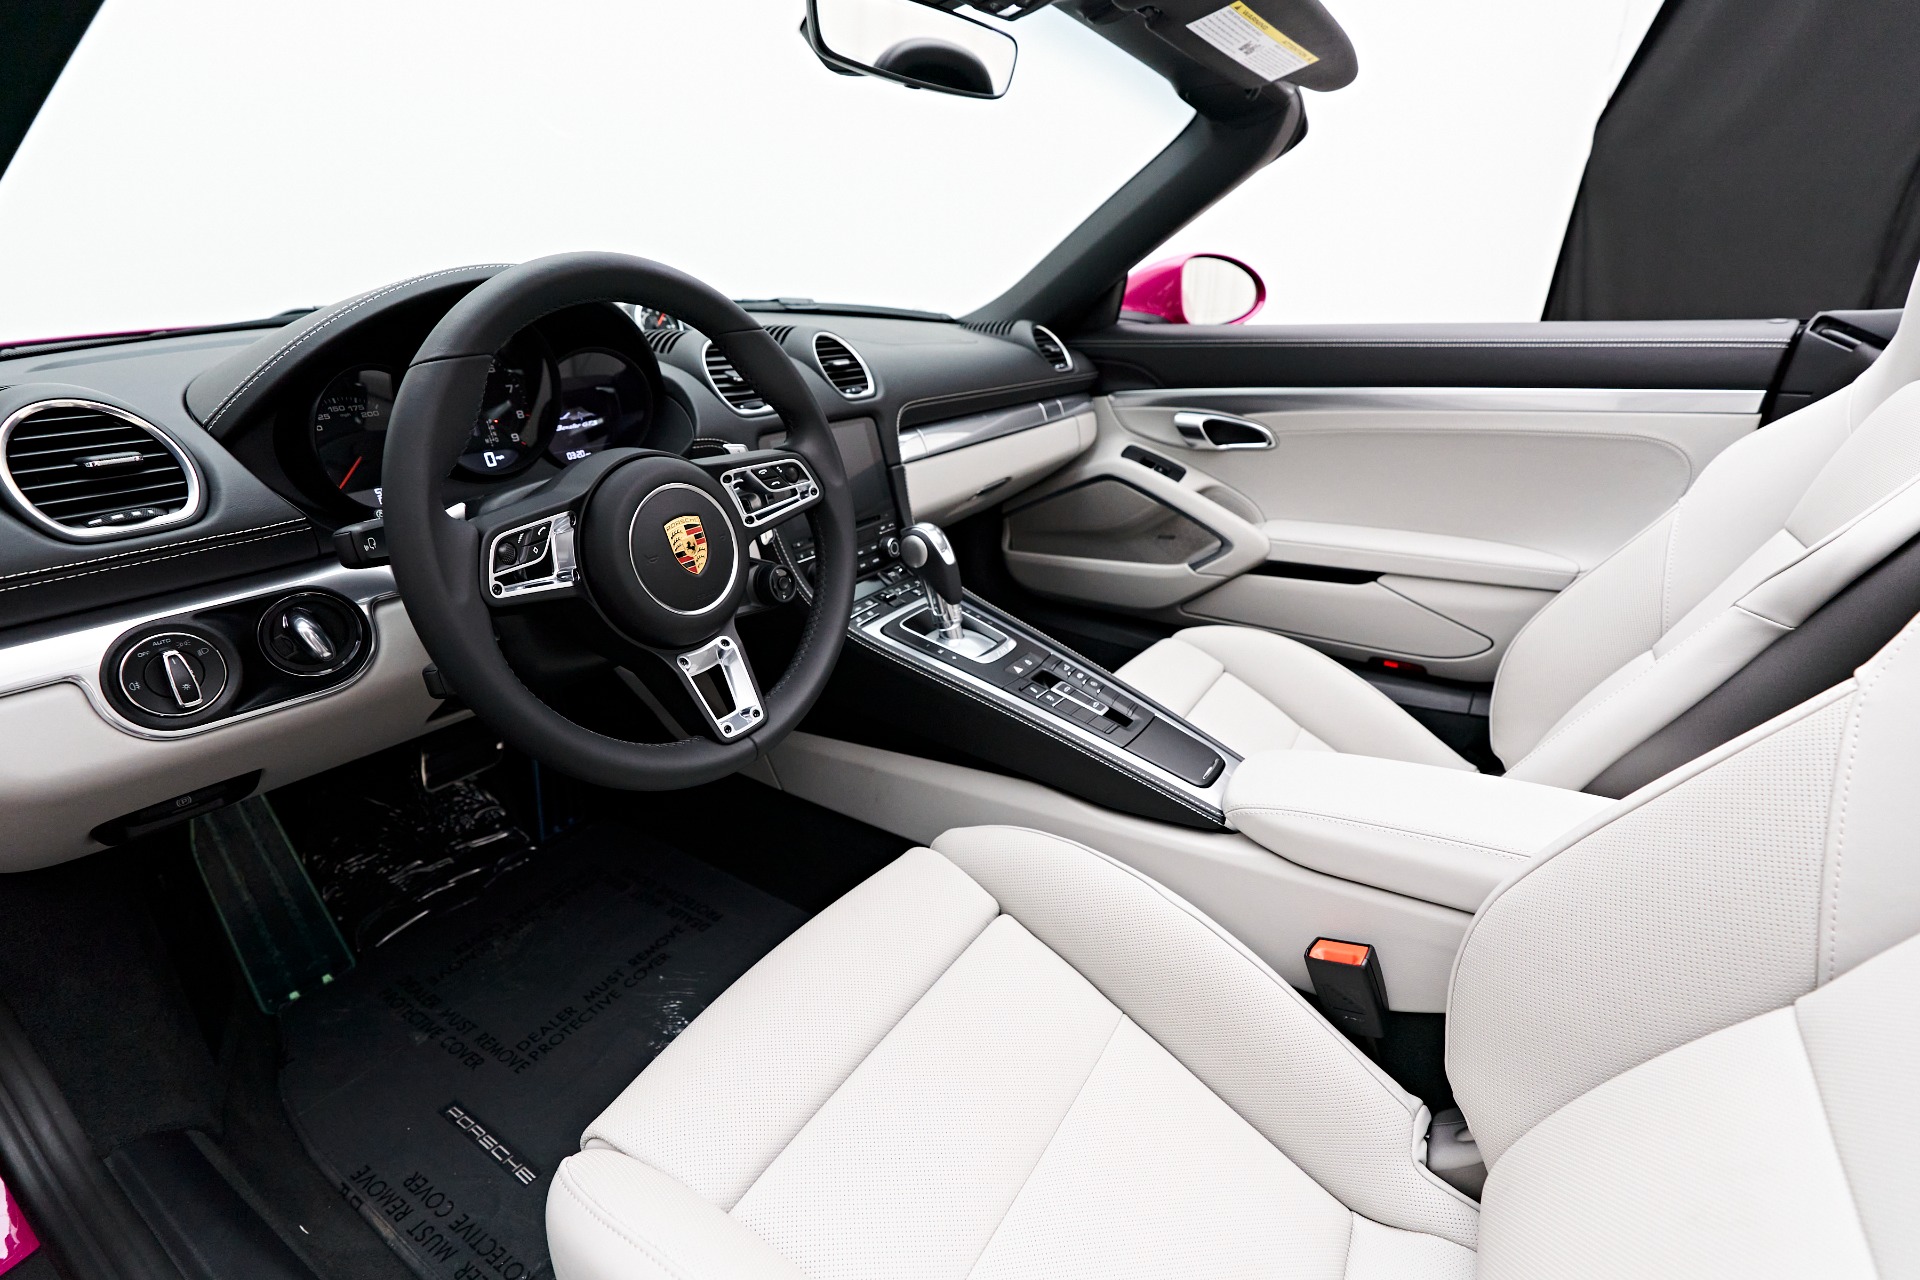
1052, 349
780, 332
729, 385
843, 366
998, 328
664, 340
87, 471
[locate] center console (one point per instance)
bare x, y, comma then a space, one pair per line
954, 672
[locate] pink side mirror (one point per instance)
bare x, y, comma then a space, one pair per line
1196, 288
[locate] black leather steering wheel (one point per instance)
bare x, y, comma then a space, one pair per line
655, 545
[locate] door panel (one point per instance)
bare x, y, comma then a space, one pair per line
1425, 506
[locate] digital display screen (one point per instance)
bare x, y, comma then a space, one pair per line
859, 444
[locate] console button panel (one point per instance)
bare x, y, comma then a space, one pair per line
1033, 672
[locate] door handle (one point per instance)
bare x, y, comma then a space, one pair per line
1220, 431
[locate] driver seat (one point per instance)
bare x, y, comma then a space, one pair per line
1687, 1042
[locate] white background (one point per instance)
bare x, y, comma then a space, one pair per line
209, 160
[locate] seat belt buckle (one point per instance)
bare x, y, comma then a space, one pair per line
1347, 982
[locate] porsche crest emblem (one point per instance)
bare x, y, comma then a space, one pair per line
688, 538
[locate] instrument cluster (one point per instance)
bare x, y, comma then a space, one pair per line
560, 391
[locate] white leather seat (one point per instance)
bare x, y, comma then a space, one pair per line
1688, 1042
1776, 526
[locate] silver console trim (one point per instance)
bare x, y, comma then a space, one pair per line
1242, 400
978, 428
1213, 797
76, 656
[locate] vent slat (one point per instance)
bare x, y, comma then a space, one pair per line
42, 458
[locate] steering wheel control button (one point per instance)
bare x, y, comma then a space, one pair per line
311, 633
173, 674
768, 492
533, 558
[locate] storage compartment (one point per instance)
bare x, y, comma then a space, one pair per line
1109, 520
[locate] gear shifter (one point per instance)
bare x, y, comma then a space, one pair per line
924, 549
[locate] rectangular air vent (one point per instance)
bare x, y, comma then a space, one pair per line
663, 340
780, 332
843, 366
85, 471
729, 385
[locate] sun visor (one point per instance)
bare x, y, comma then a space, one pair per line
1256, 43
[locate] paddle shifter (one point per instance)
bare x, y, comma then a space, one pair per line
924, 549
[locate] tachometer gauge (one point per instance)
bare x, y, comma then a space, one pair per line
349, 430
508, 436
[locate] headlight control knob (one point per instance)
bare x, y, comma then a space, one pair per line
174, 674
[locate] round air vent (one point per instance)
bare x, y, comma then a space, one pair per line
729, 385
85, 471
843, 366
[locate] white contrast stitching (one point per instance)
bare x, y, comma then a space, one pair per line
276, 531
145, 551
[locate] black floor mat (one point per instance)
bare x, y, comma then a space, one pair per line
443, 1080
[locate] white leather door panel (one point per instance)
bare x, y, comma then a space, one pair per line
1431, 523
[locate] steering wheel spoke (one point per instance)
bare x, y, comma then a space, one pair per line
721, 681
768, 486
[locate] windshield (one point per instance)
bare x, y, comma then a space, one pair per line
203, 161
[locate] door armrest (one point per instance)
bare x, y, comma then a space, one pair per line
1440, 835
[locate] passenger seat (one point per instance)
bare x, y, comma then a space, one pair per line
1775, 527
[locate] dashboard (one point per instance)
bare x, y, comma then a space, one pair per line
214, 534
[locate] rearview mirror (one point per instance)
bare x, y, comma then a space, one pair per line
1195, 288
914, 44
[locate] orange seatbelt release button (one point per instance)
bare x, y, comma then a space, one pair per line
1347, 983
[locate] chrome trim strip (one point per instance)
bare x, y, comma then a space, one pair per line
978, 428
1244, 400
196, 489
75, 657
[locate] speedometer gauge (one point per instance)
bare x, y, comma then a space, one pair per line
349, 428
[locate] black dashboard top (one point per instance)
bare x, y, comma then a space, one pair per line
283, 426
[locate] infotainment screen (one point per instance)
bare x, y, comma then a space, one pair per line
866, 469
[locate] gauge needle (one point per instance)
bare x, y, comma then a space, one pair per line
350, 470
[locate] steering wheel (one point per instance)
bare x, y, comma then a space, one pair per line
643, 547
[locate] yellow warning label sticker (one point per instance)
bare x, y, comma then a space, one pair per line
1252, 41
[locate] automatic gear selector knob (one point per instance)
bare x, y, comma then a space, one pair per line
924, 549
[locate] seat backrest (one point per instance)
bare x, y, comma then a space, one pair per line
1735, 886
1774, 527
